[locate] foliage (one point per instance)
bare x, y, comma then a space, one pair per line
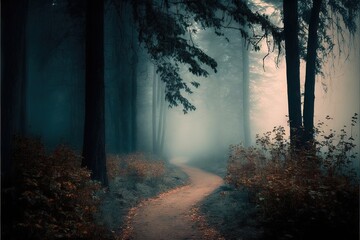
331, 31
313, 187
166, 29
136, 166
56, 198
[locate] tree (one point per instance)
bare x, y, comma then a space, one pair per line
158, 115
246, 94
13, 88
319, 26
312, 46
13, 79
291, 30
154, 105
310, 22
133, 108
94, 157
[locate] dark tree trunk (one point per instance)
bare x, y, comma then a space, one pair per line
13, 45
312, 46
154, 105
133, 99
13, 48
291, 29
94, 128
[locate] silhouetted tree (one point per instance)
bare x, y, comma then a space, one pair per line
291, 30
13, 88
13, 77
312, 46
94, 127
320, 44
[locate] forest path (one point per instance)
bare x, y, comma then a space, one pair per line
168, 215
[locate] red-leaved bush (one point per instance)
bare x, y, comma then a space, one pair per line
315, 187
55, 197
137, 166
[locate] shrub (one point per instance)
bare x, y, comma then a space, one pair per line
136, 166
55, 197
314, 187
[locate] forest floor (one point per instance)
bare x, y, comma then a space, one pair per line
228, 210
124, 194
171, 215
190, 201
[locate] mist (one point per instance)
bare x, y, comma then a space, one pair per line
167, 119
217, 121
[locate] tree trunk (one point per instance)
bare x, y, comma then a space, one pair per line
154, 103
291, 29
246, 95
163, 120
13, 88
94, 128
13, 45
312, 46
133, 94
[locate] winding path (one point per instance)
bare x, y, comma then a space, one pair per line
168, 216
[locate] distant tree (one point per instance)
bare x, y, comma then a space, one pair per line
246, 93
94, 127
253, 28
158, 114
133, 108
166, 29
154, 112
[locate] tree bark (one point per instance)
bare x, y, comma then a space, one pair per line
309, 98
94, 157
291, 29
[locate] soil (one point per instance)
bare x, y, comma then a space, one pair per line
124, 194
168, 216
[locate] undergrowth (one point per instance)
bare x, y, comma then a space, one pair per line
301, 195
135, 166
54, 197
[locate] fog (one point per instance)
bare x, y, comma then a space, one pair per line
161, 102
217, 121
55, 92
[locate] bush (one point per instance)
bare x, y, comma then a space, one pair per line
135, 166
313, 188
55, 197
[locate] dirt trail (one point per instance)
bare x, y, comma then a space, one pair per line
167, 217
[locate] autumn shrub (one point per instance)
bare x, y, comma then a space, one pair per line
316, 186
136, 166
55, 196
